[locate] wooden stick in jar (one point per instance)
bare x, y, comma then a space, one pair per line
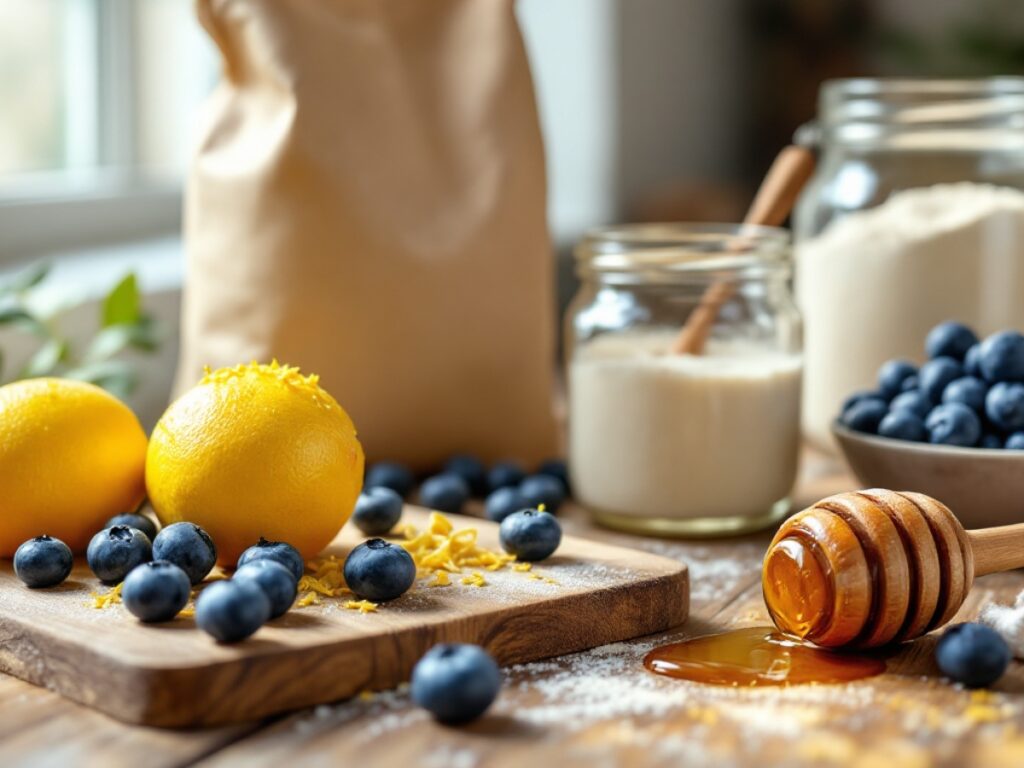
774, 200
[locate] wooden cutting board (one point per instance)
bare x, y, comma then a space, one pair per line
174, 675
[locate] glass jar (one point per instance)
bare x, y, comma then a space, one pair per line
684, 444
914, 216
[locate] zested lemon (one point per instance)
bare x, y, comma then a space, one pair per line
256, 450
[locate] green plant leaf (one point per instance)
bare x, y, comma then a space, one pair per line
123, 305
15, 314
110, 341
118, 377
26, 278
46, 359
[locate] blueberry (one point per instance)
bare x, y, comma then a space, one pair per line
377, 511
114, 552
860, 396
279, 551
556, 468
916, 402
967, 390
43, 562
1004, 405
445, 492
543, 489
378, 570
455, 682
936, 374
910, 384
390, 474
503, 502
530, 535
1015, 442
504, 474
972, 361
470, 469
990, 440
972, 654
232, 610
1002, 357
276, 581
892, 375
953, 424
187, 546
865, 416
903, 425
949, 340
132, 520
156, 591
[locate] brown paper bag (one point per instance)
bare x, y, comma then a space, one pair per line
367, 201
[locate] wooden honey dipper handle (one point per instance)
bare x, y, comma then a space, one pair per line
997, 549
774, 200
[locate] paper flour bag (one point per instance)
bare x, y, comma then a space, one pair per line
367, 201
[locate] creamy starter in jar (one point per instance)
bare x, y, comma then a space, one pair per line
682, 437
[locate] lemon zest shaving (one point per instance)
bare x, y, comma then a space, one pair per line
363, 606
438, 548
440, 579
475, 579
522, 567
325, 579
106, 599
308, 599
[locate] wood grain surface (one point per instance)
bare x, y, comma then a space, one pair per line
173, 674
598, 708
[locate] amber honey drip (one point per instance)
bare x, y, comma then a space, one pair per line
755, 657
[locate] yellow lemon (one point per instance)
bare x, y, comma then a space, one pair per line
71, 456
256, 450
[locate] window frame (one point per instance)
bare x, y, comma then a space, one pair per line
112, 199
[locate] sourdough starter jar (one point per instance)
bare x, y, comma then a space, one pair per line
676, 443
915, 215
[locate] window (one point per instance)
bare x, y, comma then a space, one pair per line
97, 99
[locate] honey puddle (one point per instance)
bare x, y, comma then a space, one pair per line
758, 656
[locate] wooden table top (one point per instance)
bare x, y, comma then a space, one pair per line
598, 708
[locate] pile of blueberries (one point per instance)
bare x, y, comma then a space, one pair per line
157, 571
524, 505
969, 394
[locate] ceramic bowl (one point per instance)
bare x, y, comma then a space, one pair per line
982, 487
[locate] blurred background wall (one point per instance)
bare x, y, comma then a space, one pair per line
651, 110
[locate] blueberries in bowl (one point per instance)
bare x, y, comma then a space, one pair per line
903, 425
1004, 405
970, 393
865, 415
1002, 357
892, 375
936, 375
953, 424
916, 402
949, 339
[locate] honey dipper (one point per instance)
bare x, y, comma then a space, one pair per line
867, 568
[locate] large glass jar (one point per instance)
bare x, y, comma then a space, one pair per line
675, 443
914, 216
